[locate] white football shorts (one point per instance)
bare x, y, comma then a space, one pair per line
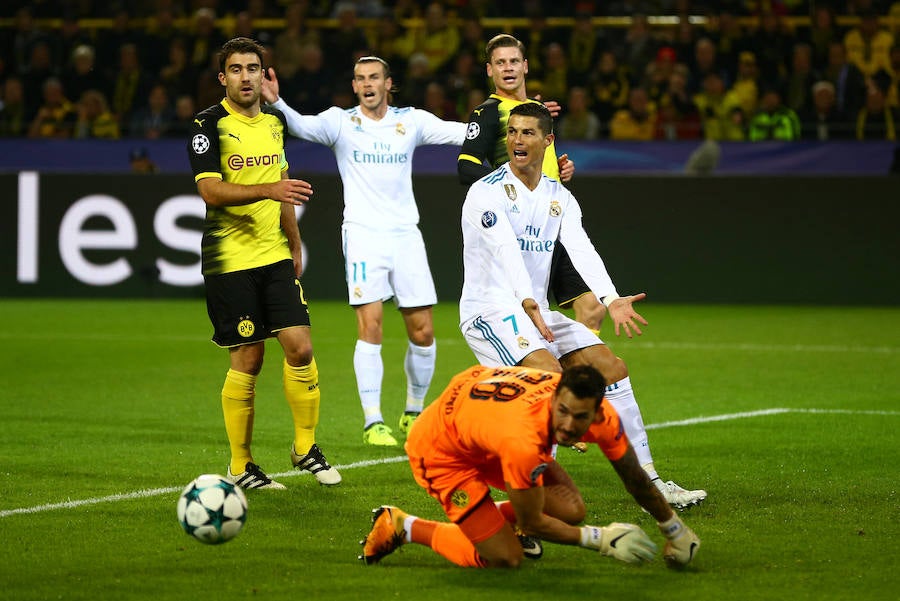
505, 337
379, 266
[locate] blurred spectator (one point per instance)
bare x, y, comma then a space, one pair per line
56, 116
342, 43
472, 39
823, 121
70, 37
159, 37
609, 87
578, 123
467, 75
82, 74
438, 40
639, 47
771, 43
798, 87
705, 62
583, 48
14, 116
729, 39
290, 42
677, 116
94, 118
178, 74
40, 68
555, 84
311, 88
637, 121
773, 120
110, 42
437, 102
130, 85
245, 27
869, 45
536, 37
140, 161
683, 41
747, 83
658, 72
849, 82
153, 119
411, 90
823, 31
24, 37
720, 113
209, 90
876, 120
185, 109
204, 39
390, 42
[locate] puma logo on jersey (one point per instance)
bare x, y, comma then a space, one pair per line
478, 111
199, 122
231, 135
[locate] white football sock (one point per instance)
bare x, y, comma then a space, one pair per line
621, 396
369, 372
419, 367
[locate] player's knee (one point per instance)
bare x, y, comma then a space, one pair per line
299, 355
511, 559
422, 336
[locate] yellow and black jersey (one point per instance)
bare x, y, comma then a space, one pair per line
486, 141
241, 150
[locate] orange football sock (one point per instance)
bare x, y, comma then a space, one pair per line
448, 540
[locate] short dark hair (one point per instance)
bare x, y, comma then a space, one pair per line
375, 59
503, 40
239, 46
585, 382
536, 110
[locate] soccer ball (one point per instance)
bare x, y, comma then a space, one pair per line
212, 509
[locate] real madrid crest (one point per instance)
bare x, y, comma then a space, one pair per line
357, 293
523, 342
356, 121
400, 129
510, 191
555, 209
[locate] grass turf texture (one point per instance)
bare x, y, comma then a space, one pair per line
112, 397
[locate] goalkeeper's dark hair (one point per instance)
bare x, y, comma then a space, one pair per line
536, 110
240, 46
585, 382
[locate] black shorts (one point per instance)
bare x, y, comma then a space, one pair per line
565, 282
254, 304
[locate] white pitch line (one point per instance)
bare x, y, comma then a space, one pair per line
155, 492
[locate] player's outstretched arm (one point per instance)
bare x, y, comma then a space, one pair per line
624, 316
270, 86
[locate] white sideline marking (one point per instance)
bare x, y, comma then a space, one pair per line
155, 492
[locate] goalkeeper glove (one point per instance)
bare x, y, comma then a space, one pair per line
625, 542
682, 543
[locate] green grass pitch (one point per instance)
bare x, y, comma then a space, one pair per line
787, 416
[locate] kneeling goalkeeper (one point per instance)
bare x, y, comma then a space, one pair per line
498, 427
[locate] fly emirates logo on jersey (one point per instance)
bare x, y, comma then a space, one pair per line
380, 154
531, 241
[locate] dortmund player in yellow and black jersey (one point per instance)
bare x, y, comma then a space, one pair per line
251, 261
484, 149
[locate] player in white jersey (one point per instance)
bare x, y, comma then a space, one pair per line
384, 252
511, 221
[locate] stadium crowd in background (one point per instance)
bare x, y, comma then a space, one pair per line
638, 79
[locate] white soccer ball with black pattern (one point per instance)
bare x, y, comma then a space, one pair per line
212, 509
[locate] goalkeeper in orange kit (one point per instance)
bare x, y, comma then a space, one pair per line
497, 427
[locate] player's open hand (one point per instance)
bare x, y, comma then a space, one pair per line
533, 310
269, 86
625, 317
291, 191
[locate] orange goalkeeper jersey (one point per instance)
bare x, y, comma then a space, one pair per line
497, 420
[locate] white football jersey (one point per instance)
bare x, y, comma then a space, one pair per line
509, 233
374, 158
